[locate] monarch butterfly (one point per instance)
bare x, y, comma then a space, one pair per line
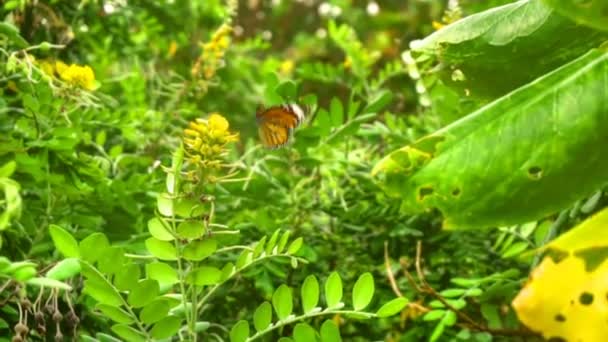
276, 124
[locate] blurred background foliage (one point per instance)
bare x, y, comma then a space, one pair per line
89, 160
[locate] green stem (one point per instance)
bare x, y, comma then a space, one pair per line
288, 321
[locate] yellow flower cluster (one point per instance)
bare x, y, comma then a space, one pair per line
80, 76
213, 53
206, 140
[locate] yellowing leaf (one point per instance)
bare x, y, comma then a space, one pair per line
567, 299
563, 300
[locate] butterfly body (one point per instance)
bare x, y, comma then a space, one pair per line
276, 124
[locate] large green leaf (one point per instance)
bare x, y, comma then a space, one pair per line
506, 163
593, 13
491, 53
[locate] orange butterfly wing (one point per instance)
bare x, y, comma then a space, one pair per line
275, 124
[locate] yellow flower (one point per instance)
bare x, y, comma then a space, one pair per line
218, 122
347, 62
286, 67
81, 76
47, 67
172, 49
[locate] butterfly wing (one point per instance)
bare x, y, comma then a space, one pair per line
273, 135
275, 124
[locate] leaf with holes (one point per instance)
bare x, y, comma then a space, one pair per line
521, 178
567, 299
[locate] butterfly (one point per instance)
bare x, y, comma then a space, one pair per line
276, 124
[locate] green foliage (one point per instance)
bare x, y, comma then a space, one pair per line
137, 204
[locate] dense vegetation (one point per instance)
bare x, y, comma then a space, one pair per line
447, 184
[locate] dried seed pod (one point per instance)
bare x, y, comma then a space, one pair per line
17, 338
21, 329
57, 316
58, 336
26, 304
50, 309
41, 329
39, 317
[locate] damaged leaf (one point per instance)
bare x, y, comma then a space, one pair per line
506, 163
572, 308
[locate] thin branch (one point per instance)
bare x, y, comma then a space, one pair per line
389, 272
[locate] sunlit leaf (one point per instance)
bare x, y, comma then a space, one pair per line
393, 307
453, 167
64, 269
330, 332
310, 293
128, 333
116, 314
159, 228
262, 316
143, 293
282, 301
567, 299
164, 273
161, 249
64, 241
204, 275
333, 290
239, 332
166, 327
303, 332
199, 249
363, 291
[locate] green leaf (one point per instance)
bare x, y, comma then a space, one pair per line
64, 269
163, 273
378, 103
128, 333
310, 293
482, 54
330, 332
392, 308
191, 229
145, 292
154, 311
438, 172
288, 90
204, 275
283, 242
11, 31
303, 332
227, 271
93, 246
64, 242
127, 278
433, 315
449, 319
161, 249
272, 242
244, 259
103, 292
295, 246
199, 249
166, 328
111, 260
333, 290
336, 112
116, 314
159, 228
47, 282
164, 204
282, 301
259, 248
262, 317
515, 249
449, 293
593, 13
239, 332
363, 291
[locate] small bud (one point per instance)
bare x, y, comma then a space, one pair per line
57, 316
41, 329
58, 336
17, 338
21, 329
26, 304
45, 46
39, 316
